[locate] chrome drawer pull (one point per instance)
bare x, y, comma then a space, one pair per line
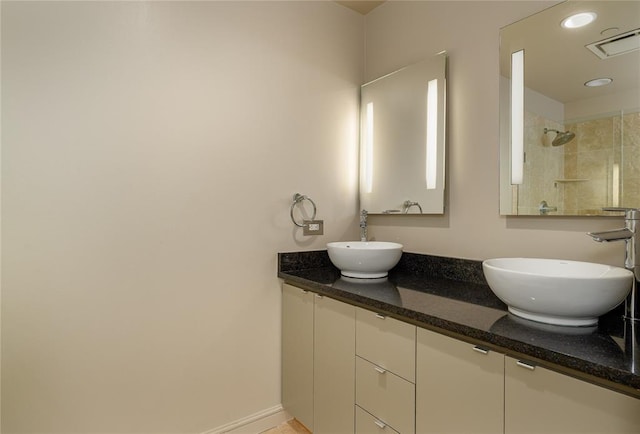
378, 315
380, 424
380, 370
481, 350
525, 365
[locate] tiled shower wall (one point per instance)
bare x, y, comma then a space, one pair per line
606, 154
599, 168
630, 157
543, 165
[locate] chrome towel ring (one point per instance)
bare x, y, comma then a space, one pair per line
297, 198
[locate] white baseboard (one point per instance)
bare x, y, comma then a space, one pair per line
255, 423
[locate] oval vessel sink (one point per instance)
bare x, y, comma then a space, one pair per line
555, 291
364, 259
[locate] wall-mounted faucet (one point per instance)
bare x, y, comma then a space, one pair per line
544, 208
408, 204
363, 225
632, 254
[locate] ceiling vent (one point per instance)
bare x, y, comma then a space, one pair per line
616, 45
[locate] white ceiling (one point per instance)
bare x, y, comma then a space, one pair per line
557, 62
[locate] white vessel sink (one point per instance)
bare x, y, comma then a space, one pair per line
364, 259
554, 291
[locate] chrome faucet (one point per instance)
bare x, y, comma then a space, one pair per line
408, 204
544, 208
363, 225
630, 235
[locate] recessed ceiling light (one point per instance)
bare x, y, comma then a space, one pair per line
598, 82
578, 20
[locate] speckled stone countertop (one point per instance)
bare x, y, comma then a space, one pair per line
451, 296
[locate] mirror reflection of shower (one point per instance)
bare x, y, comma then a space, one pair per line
562, 137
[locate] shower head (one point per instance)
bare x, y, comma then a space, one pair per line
562, 137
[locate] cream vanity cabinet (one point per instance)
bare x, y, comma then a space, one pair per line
318, 361
297, 353
538, 400
459, 386
406, 379
463, 388
385, 374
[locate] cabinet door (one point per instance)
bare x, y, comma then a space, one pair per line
538, 400
458, 388
297, 354
334, 367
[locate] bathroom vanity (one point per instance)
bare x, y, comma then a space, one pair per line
432, 350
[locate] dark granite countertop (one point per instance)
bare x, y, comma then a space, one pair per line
451, 296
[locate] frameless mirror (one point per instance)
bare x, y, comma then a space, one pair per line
570, 119
402, 146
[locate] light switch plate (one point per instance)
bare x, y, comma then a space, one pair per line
313, 227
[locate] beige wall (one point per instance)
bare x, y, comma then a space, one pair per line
399, 33
150, 154
149, 157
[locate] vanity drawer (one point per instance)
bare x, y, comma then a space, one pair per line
368, 424
388, 397
387, 342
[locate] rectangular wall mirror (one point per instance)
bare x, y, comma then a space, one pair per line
570, 110
402, 140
